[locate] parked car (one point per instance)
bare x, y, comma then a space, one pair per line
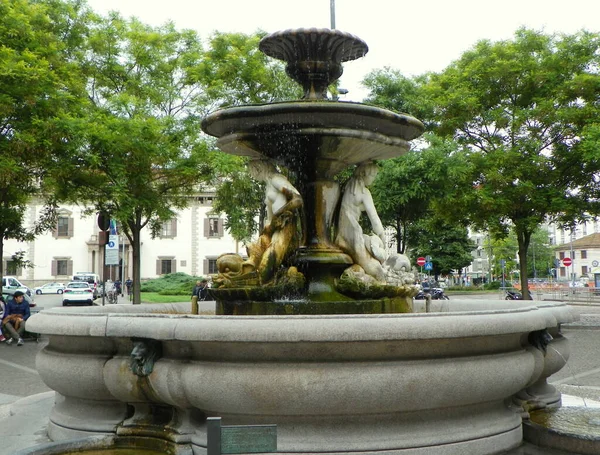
10, 282
8, 294
50, 288
78, 292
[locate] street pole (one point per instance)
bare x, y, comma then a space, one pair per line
572, 261
123, 266
332, 13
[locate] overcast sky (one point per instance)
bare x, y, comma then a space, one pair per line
411, 36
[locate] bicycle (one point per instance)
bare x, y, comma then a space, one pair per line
112, 297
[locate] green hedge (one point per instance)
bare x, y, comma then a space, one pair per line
171, 284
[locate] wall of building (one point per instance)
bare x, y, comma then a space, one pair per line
189, 246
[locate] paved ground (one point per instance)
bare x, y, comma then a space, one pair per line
22, 421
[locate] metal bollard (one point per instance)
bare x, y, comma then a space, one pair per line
194, 304
427, 303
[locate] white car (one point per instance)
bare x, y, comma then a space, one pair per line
78, 292
50, 288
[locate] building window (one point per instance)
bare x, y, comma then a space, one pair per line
165, 265
205, 200
64, 227
168, 229
62, 267
561, 255
210, 266
213, 227
583, 254
11, 268
584, 270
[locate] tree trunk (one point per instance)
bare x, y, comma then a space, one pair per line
136, 247
399, 242
134, 228
523, 238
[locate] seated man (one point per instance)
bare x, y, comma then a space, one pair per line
2, 310
17, 312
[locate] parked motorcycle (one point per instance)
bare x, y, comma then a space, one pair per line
513, 295
436, 294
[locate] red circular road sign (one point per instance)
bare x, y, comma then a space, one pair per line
421, 261
567, 262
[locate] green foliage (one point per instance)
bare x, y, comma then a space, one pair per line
520, 107
240, 74
141, 153
391, 90
40, 93
447, 243
241, 198
171, 284
492, 286
409, 187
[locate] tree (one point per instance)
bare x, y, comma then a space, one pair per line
519, 107
141, 154
40, 92
447, 243
240, 74
390, 89
408, 188
241, 198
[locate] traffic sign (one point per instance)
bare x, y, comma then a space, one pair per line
421, 261
567, 262
429, 266
428, 258
594, 263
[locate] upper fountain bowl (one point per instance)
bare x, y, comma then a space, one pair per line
314, 56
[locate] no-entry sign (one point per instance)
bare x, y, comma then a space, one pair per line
421, 261
567, 262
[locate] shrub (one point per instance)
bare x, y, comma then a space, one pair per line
171, 284
493, 286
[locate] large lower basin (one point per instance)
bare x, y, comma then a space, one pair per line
400, 383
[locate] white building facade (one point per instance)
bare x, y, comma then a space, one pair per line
190, 243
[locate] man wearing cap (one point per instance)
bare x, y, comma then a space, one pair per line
17, 312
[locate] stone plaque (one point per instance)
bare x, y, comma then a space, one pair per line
248, 438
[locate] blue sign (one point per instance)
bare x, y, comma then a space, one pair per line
111, 244
429, 266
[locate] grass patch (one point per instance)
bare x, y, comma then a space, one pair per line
155, 297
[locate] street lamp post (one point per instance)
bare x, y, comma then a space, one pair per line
572, 260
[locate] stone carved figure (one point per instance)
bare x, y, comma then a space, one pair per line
144, 354
366, 250
280, 235
398, 270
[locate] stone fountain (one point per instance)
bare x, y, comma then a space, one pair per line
314, 329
